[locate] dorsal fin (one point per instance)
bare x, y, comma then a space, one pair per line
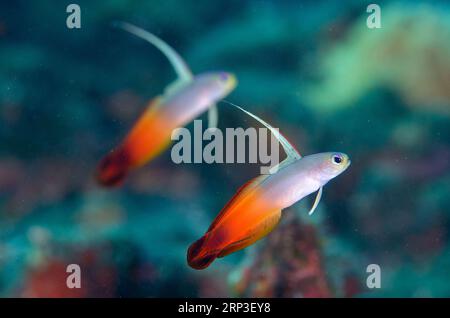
291, 152
244, 189
288, 148
174, 87
180, 66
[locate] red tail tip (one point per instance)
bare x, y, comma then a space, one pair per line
196, 256
113, 169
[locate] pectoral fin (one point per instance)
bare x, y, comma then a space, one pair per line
316, 201
213, 116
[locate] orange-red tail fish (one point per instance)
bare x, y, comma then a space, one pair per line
256, 207
185, 99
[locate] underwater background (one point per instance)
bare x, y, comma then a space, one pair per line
312, 68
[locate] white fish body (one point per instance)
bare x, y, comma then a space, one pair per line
190, 95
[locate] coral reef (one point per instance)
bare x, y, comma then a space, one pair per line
289, 264
401, 56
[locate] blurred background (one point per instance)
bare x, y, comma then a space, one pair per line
312, 68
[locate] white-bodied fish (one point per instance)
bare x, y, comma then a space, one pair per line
256, 207
183, 100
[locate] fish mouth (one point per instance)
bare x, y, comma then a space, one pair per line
232, 82
347, 162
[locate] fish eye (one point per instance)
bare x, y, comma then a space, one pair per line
337, 159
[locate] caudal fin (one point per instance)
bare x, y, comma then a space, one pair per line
198, 257
113, 168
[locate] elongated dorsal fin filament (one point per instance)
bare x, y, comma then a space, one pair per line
182, 69
291, 152
179, 65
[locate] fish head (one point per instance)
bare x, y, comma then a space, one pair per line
218, 84
329, 165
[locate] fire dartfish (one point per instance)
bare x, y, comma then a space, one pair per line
183, 100
256, 208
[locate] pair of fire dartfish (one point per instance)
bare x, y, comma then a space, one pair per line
256, 207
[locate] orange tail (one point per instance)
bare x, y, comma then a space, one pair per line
113, 168
198, 256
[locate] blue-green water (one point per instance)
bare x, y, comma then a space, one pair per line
311, 68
